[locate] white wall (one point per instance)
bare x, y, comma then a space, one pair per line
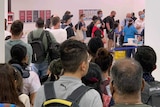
153, 31
60, 6
2, 15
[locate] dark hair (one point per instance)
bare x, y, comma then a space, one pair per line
7, 86
95, 21
104, 59
146, 56
72, 54
55, 20
99, 11
16, 28
93, 77
94, 18
126, 75
40, 23
18, 53
94, 44
55, 67
67, 12
82, 15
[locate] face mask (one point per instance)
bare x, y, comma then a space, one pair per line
100, 15
98, 25
142, 16
127, 19
84, 18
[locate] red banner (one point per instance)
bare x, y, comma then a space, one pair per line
22, 16
48, 14
29, 16
41, 14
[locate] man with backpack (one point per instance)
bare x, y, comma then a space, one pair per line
66, 25
146, 56
40, 43
69, 90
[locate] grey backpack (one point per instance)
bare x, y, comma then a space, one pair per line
151, 94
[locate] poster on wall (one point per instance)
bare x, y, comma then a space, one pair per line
89, 13
41, 14
35, 15
22, 16
48, 14
29, 15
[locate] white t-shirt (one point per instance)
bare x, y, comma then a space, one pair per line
140, 23
59, 34
31, 84
25, 100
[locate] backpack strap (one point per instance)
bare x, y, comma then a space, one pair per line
78, 93
66, 27
49, 90
41, 36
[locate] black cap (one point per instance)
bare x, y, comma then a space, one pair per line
24, 73
66, 17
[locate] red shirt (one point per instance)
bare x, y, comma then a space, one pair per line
100, 33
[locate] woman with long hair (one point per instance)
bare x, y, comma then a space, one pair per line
8, 90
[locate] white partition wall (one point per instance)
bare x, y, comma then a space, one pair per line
152, 31
2, 15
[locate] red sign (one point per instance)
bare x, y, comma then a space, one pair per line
41, 14
29, 16
22, 16
48, 14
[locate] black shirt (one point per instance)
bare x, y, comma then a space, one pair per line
109, 20
69, 30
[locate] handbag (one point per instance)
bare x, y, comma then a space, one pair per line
79, 33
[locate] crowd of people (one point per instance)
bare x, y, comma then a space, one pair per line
83, 74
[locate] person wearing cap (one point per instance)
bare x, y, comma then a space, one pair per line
19, 60
68, 13
129, 31
66, 25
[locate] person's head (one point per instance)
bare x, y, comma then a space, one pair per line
128, 15
67, 13
146, 56
82, 17
104, 59
8, 78
93, 77
40, 23
19, 55
97, 23
93, 45
100, 13
130, 22
17, 28
141, 14
55, 68
67, 19
126, 79
113, 14
94, 18
143, 10
74, 57
56, 22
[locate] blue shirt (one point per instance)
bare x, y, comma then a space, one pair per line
129, 32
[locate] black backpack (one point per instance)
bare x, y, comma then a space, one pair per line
71, 101
151, 94
53, 49
39, 53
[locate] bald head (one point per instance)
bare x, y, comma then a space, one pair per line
127, 76
128, 15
